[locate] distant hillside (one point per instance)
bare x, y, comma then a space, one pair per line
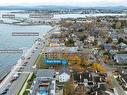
53, 7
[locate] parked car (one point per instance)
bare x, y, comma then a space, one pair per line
22, 57
3, 93
15, 77
28, 57
26, 62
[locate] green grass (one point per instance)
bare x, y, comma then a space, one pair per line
40, 63
26, 93
30, 81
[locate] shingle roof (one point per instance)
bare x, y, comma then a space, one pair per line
81, 76
121, 57
107, 46
50, 73
64, 70
61, 49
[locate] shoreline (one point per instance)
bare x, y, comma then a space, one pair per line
14, 68
25, 24
7, 68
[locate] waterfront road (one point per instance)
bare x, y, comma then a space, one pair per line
17, 85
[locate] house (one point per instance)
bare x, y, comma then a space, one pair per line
123, 77
120, 58
64, 75
43, 86
46, 73
44, 83
122, 45
107, 46
90, 39
114, 36
84, 78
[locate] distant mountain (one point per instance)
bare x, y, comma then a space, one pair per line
53, 7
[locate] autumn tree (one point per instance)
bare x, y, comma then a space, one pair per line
118, 25
68, 88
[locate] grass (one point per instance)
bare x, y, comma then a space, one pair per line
26, 93
40, 64
23, 90
32, 78
30, 81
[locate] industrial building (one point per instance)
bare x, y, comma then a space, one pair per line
41, 15
11, 16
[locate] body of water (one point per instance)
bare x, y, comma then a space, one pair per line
7, 41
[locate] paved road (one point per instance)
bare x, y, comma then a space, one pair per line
17, 85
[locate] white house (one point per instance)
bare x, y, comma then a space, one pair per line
90, 39
64, 75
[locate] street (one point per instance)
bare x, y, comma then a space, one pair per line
118, 88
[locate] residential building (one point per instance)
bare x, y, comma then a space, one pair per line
107, 46
120, 58
45, 83
90, 39
46, 73
64, 75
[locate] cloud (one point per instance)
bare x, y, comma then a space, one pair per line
66, 2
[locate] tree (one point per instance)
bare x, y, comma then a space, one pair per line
70, 43
118, 25
120, 40
68, 88
109, 40
99, 67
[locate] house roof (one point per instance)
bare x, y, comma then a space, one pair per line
107, 46
122, 45
46, 73
79, 77
61, 49
121, 57
64, 70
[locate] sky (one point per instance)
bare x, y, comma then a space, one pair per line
86, 3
